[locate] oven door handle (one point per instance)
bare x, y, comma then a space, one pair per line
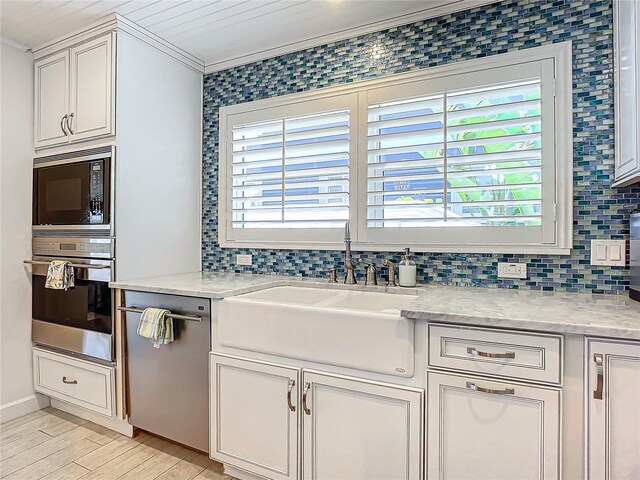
75, 265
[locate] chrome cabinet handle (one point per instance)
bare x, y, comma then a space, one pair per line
506, 391
598, 359
190, 318
292, 384
306, 409
69, 123
69, 382
74, 265
62, 123
478, 353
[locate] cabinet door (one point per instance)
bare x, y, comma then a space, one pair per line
627, 82
51, 99
490, 430
91, 89
254, 416
613, 410
357, 429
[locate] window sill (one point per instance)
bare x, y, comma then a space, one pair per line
422, 248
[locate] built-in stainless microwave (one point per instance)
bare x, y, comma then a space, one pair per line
72, 191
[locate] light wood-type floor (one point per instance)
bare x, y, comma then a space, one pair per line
54, 445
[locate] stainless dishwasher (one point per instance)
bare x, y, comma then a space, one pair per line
168, 387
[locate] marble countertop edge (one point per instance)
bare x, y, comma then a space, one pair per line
554, 312
548, 326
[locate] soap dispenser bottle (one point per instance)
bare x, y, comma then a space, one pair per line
407, 271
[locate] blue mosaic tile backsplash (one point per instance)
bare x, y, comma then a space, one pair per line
599, 210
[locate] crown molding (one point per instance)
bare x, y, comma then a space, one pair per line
116, 22
424, 14
13, 44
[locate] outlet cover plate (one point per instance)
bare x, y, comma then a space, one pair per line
244, 260
512, 270
609, 252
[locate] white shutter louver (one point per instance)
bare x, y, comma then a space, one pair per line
292, 172
461, 158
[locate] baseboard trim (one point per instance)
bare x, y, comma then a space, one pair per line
121, 426
23, 406
240, 474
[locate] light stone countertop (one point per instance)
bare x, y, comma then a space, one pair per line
559, 312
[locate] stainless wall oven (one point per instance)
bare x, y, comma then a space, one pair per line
78, 320
73, 191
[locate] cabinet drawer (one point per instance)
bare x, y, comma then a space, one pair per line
526, 356
72, 380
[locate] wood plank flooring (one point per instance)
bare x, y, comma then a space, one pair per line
54, 445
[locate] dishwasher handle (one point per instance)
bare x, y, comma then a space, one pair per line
175, 316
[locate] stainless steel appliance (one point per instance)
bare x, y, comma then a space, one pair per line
79, 320
168, 387
73, 192
634, 255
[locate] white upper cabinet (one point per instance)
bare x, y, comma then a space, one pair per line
51, 100
613, 410
74, 94
91, 99
627, 91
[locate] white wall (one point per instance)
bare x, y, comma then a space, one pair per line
16, 156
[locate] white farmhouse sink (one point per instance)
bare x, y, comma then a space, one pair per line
348, 328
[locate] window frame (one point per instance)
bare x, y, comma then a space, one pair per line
558, 240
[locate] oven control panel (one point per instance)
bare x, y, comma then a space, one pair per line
74, 247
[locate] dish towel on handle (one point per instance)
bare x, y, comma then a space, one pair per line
60, 276
155, 325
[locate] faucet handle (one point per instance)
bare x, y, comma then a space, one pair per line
333, 278
371, 278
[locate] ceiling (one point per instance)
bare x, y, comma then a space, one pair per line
222, 33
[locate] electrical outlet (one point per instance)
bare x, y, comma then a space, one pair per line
512, 270
244, 260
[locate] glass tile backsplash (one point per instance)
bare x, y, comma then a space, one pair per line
599, 210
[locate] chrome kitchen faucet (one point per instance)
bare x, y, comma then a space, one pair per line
350, 278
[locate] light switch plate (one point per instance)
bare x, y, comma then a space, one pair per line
512, 270
609, 252
244, 260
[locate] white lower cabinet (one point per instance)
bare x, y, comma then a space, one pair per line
82, 383
612, 410
348, 428
486, 429
254, 416
360, 430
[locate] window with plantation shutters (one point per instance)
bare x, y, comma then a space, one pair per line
292, 172
286, 174
469, 157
